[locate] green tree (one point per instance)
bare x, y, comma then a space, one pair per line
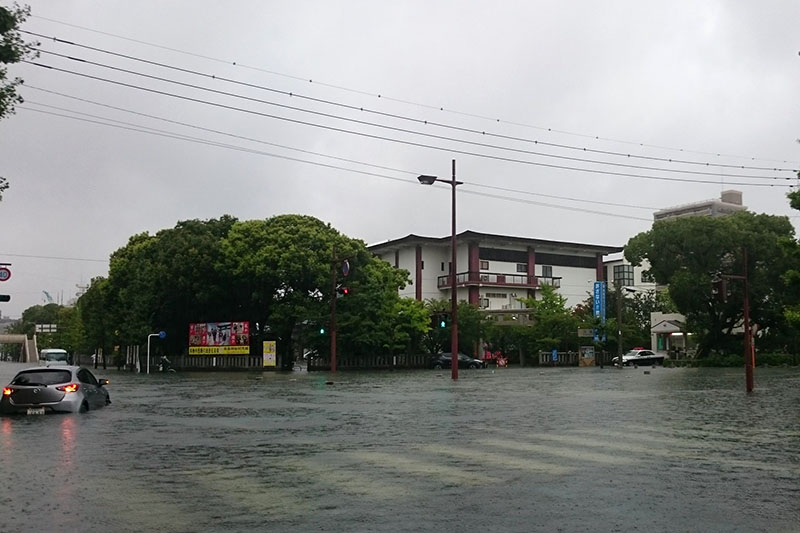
94, 307
163, 282
687, 253
12, 50
280, 272
372, 318
554, 325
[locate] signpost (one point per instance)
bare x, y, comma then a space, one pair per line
5, 275
600, 306
270, 353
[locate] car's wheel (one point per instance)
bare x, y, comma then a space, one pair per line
473, 366
438, 366
84, 407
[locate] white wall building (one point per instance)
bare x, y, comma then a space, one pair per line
494, 271
729, 202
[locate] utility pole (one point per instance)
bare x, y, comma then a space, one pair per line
749, 352
618, 289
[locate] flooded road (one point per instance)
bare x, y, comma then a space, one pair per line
521, 449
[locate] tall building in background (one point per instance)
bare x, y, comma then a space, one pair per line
729, 202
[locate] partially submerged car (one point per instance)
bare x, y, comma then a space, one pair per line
640, 357
444, 360
55, 389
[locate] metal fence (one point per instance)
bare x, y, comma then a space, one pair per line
373, 362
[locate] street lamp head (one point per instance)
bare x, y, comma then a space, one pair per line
426, 180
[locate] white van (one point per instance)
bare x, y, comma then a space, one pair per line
54, 356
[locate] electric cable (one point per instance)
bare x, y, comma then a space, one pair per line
400, 141
401, 117
403, 101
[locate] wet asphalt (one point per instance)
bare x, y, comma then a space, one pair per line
517, 449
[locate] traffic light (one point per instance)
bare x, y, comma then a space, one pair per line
719, 288
322, 331
341, 291
442, 321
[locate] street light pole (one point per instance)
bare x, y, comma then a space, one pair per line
429, 180
454, 296
148, 349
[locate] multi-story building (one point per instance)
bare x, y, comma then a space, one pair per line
729, 202
494, 271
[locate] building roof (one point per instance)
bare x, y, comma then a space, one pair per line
467, 236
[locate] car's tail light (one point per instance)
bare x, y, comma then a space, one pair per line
72, 387
7, 391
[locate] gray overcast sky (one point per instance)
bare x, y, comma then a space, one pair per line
713, 82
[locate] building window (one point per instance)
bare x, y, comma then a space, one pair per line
484, 265
484, 303
547, 271
623, 275
422, 265
442, 266
497, 295
522, 267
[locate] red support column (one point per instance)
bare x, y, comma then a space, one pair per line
531, 270
418, 274
599, 276
474, 263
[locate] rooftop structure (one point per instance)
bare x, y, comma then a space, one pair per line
729, 202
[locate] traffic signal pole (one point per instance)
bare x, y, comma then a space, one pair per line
333, 311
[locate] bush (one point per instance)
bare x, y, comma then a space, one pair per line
736, 360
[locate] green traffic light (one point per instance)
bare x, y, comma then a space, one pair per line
442, 324
322, 331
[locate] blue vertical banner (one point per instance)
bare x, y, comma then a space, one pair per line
600, 306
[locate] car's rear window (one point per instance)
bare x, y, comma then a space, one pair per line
42, 377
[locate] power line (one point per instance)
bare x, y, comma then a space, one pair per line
406, 181
319, 154
57, 258
408, 102
400, 141
404, 117
407, 131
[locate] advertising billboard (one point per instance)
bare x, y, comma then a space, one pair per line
219, 338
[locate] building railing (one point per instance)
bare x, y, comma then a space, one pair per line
465, 279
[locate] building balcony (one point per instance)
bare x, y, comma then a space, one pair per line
494, 279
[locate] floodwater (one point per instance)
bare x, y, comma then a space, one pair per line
519, 449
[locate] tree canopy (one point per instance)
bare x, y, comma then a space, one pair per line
277, 274
13, 49
688, 253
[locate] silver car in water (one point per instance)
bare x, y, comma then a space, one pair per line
55, 389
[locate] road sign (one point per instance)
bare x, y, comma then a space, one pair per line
585, 332
5, 274
162, 334
554, 355
345, 267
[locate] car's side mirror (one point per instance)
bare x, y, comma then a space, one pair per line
103, 382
